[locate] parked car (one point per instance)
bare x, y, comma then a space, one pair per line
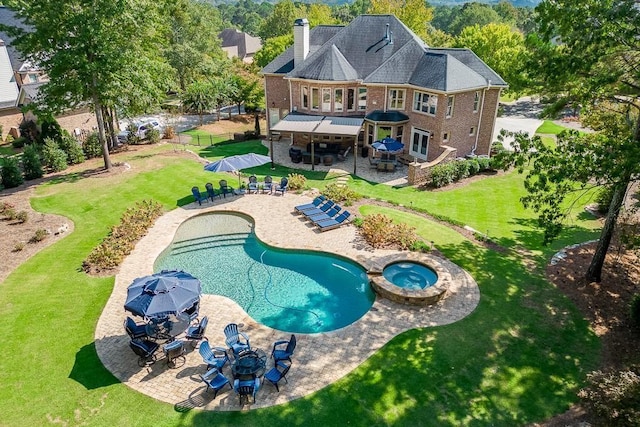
139, 130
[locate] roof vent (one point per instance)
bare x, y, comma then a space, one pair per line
388, 35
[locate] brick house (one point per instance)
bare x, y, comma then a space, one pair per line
374, 78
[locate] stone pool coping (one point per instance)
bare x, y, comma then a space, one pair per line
319, 360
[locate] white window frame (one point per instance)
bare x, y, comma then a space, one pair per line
304, 97
315, 106
476, 101
362, 99
397, 99
446, 136
325, 104
450, 103
423, 143
352, 106
338, 106
425, 103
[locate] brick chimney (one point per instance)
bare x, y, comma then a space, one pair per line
300, 41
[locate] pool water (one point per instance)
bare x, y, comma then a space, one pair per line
292, 291
410, 275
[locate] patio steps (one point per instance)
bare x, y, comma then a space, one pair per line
198, 243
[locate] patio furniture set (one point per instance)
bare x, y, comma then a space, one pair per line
248, 366
225, 189
323, 213
325, 153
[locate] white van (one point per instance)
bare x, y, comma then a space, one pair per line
141, 130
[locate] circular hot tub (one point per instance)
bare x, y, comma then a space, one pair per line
412, 278
410, 275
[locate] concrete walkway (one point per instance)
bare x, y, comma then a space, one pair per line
314, 367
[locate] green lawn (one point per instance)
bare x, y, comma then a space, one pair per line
519, 357
548, 127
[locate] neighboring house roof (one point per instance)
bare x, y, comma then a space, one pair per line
244, 44
8, 85
381, 49
29, 92
8, 17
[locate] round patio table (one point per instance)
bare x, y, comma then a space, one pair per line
168, 328
249, 363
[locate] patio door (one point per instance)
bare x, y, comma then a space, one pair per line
419, 143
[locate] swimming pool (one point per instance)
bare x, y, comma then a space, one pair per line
293, 291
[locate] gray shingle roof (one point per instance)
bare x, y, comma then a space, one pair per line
363, 49
246, 43
8, 17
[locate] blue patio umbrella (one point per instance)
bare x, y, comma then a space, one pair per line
388, 144
161, 295
238, 162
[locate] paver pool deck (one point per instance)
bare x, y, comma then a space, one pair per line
319, 360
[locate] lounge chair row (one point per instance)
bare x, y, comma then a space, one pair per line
325, 214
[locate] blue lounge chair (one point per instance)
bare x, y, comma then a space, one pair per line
214, 381
277, 373
283, 186
314, 204
267, 185
134, 330
197, 195
237, 341
330, 224
211, 192
225, 188
253, 184
320, 209
278, 353
215, 357
331, 214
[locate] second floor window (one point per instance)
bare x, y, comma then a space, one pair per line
337, 100
476, 101
362, 98
396, 99
305, 97
326, 99
450, 106
425, 103
351, 99
315, 98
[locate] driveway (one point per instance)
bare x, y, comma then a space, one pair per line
519, 116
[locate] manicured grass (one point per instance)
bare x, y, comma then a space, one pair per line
550, 128
519, 357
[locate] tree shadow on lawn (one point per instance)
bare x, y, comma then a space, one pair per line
89, 371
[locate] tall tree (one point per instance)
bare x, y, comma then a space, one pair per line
94, 52
415, 14
501, 47
588, 52
271, 48
280, 21
470, 14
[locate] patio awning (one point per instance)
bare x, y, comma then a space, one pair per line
327, 125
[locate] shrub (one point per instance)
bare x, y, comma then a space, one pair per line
474, 166
169, 132
357, 221
31, 163
53, 156
91, 146
50, 129
380, 232
461, 168
10, 174
341, 193
39, 236
18, 142
614, 397
485, 163
603, 199
18, 247
134, 223
9, 138
10, 213
442, 174
634, 310
4, 206
22, 217
72, 149
153, 136
297, 181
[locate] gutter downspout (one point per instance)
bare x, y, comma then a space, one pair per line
484, 93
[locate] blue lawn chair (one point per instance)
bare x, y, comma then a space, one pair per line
277, 373
279, 353
283, 186
320, 209
246, 388
237, 341
215, 381
267, 185
211, 192
253, 185
197, 195
225, 188
215, 357
331, 214
134, 330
